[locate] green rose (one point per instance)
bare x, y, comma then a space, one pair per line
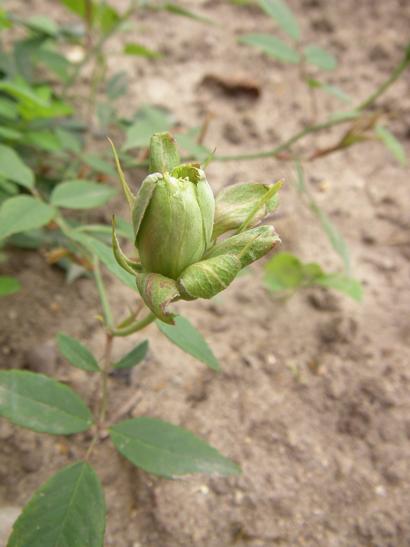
177, 226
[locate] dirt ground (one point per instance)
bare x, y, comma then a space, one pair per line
313, 401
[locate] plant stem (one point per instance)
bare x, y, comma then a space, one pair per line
400, 68
369, 101
97, 48
88, 16
101, 414
102, 293
103, 395
135, 326
288, 143
104, 380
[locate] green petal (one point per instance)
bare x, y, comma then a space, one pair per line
208, 277
243, 203
206, 202
247, 246
158, 292
142, 200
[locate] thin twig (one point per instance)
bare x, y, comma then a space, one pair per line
134, 327
102, 294
367, 103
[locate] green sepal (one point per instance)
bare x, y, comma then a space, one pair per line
122, 260
247, 246
125, 187
158, 292
142, 200
163, 153
208, 277
243, 205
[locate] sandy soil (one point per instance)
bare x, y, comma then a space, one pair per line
313, 401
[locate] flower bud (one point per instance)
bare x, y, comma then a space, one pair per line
173, 220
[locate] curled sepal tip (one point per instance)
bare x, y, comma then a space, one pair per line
208, 277
158, 292
247, 246
121, 258
130, 197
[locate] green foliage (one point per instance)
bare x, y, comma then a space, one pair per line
176, 9
68, 510
286, 273
167, 450
280, 12
330, 89
334, 236
105, 254
13, 168
310, 55
184, 335
21, 213
133, 358
272, 46
41, 404
319, 57
147, 121
45, 168
133, 48
80, 194
8, 285
76, 353
392, 144
188, 141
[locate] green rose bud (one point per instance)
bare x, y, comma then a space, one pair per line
173, 227
177, 229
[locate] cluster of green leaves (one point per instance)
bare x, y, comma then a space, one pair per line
45, 167
39, 403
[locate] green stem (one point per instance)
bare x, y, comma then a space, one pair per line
134, 327
102, 293
401, 67
103, 395
104, 380
288, 143
97, 48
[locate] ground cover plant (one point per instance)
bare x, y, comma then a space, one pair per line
176, 226
45, 140
67, 226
